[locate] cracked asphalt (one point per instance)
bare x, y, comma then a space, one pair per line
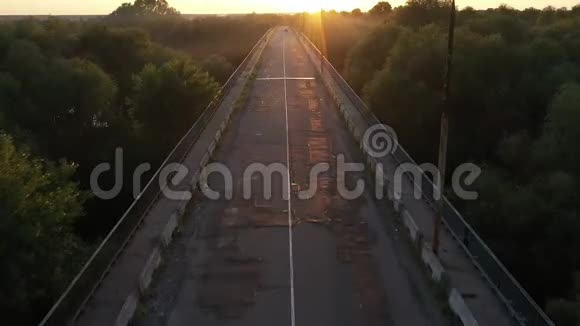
339, 262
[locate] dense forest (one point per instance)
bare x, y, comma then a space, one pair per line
70, 93
514, 110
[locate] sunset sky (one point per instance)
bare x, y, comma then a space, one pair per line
75, 7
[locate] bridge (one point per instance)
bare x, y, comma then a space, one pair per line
297, 257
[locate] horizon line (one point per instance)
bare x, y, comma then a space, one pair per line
252, 12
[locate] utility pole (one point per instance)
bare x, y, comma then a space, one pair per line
322, 40
444, 130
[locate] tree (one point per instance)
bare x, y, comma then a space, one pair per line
362, 64
564, 313
218, 67
145, 8
422, 12
558, 144
39, 205
381, 9
126, 9
64, 99
356, 12
121, 52
406, 91
168, 99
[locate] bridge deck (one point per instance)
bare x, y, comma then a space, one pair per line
237, 262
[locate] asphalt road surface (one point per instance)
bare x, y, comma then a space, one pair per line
284, 260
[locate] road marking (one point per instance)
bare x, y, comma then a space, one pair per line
290, 245
286, 78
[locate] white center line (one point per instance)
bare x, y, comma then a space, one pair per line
290, 245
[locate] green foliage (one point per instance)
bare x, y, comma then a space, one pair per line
558, 144
556, 148
169, 98
564, 313
74, 91
38, 252
382, 8
230, 37
422, 12
335, 33
120, 51
405, 92
361, 63
515, 150
218, 67
58, 100
145, 8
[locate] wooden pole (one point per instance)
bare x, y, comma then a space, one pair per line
444, 131
321, 41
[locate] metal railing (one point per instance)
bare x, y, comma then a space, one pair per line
518, 302
71, 303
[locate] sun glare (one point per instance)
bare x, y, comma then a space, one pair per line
315, 5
